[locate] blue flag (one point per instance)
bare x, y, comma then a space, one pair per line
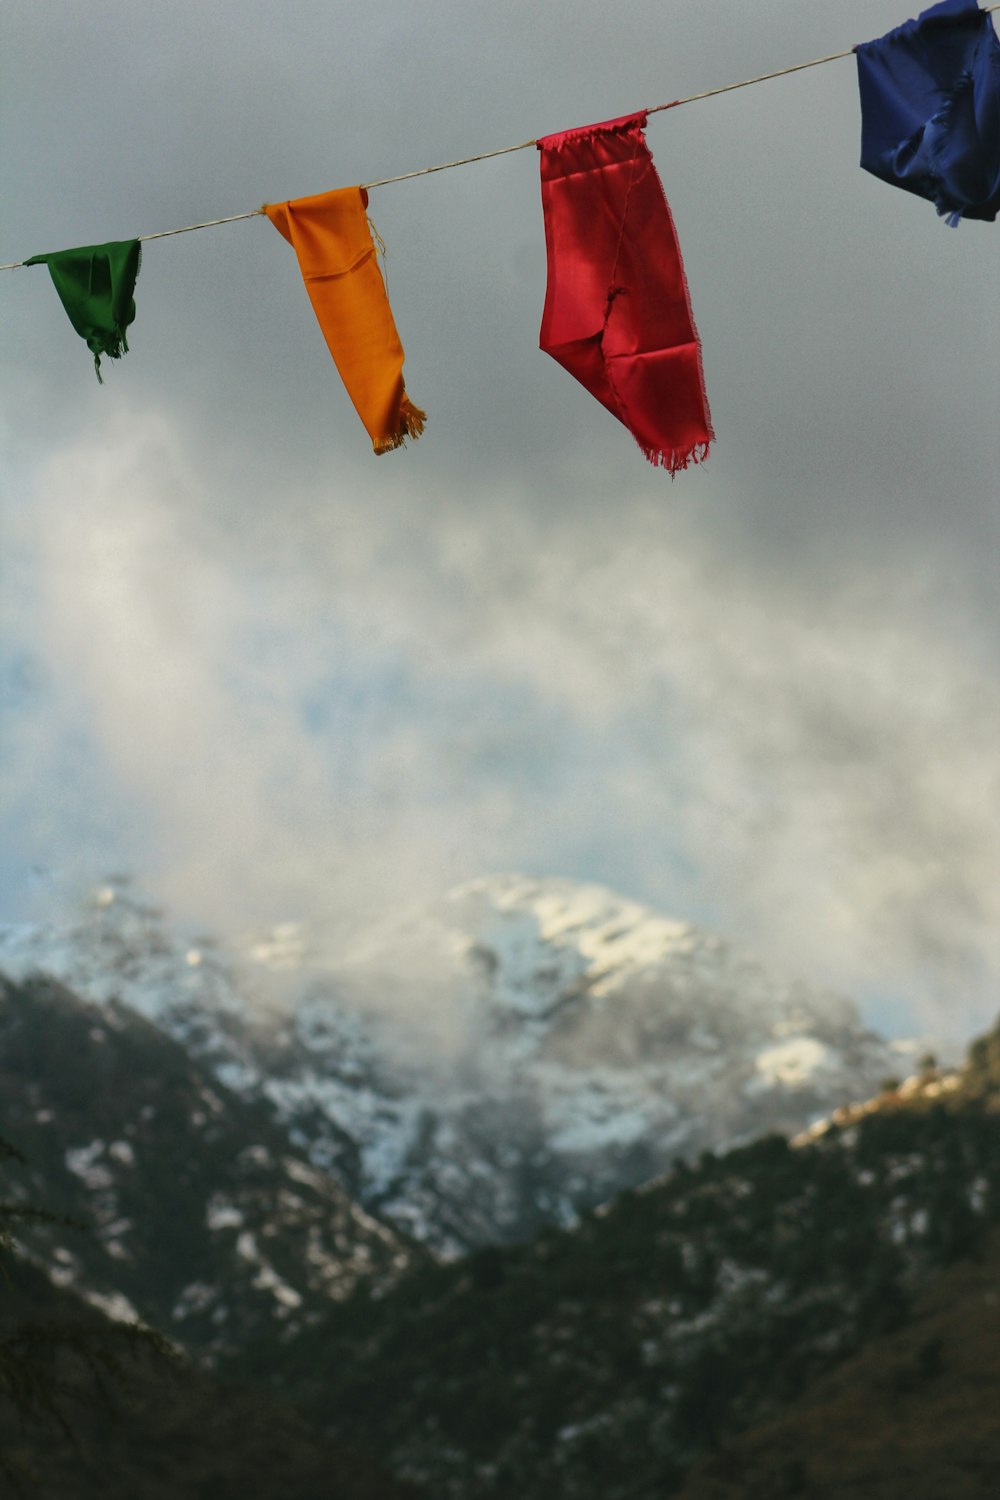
930, 109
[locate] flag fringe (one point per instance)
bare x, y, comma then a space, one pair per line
116, 344
675, 463
411, 425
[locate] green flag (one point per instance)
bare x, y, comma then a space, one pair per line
95, 285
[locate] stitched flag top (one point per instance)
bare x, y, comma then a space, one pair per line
930, 109
95, 285
617, 314
332, 240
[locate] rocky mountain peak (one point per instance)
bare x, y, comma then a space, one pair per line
519, 1050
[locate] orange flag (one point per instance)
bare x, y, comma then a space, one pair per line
330, 235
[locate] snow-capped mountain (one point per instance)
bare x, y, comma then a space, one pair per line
518, 1052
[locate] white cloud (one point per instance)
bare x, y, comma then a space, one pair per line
344, 703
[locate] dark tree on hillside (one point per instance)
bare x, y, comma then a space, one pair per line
48, 1366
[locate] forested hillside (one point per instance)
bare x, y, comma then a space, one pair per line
607, 1360
912, 1415
168, 1433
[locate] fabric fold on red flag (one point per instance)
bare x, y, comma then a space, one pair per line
617, 312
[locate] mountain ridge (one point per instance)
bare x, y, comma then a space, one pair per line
512, 1055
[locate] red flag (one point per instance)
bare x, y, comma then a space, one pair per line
617, 312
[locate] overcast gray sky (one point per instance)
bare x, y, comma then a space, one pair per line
270, 674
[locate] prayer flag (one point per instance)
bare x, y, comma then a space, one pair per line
930, 109
617, 313
332, 239
95, 285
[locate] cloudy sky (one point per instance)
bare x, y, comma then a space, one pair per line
271, 675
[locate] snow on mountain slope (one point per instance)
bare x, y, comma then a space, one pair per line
120, 947
518, 1052
204, 1218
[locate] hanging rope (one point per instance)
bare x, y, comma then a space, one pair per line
208, 224
464, 161
674, 104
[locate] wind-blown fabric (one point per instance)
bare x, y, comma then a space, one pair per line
930, 109
332, 239
617, 314
95, 285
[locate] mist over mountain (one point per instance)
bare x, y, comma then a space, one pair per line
512, 1055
